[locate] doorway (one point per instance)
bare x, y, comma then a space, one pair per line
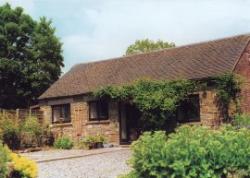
129, 123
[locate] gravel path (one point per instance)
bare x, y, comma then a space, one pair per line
54, 154
106, 165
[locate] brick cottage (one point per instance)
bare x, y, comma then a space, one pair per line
70, 109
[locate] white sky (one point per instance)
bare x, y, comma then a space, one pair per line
98, 29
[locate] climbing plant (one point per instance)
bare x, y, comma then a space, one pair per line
228, 89
158, 100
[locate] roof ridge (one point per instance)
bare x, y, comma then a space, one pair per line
165, 49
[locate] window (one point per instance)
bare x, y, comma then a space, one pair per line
61, 113
98, 110
189, 110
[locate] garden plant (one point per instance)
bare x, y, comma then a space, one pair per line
22, 133
192, 151
63, 143
13, 165
159, 100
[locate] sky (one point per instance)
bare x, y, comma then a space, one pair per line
93, 30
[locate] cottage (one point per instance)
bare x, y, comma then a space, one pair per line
69, 107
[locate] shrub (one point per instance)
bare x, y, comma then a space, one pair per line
192, 151
131, 174
23, 167
241, 120
32, 131
25, 133
4, 158
63, 143
10, 131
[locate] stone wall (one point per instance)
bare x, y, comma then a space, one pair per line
80, 125
209, 111
243, 68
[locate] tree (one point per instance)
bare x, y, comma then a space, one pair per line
30, 57
146, 45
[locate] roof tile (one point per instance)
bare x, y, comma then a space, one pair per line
194, 61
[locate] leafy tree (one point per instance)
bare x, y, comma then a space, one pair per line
146, 45
30, 57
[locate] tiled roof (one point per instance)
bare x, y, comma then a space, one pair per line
195, 61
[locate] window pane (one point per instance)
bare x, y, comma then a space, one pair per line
66, 112
189, 110
193, 110
103, 110
93, 110
61, 113
56, 113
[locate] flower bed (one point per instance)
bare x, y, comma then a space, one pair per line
13, 165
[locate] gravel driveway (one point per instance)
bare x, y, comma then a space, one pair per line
105, 165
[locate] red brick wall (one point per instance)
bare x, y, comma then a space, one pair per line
209, 111
80, 125
243, 69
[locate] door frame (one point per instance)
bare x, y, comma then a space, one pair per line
122, 141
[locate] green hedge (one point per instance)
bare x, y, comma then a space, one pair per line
192, 151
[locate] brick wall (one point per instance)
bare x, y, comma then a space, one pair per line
209, 111
243, 69
80, 125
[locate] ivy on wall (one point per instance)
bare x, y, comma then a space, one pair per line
228, 88
158, 100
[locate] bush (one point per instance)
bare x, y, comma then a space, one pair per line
241, 120
32, 131
23, 167
4, 158
192, 151
24, 133
63, 143
10, 131
132, 174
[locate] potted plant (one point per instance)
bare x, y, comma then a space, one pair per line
99, 141
92, 142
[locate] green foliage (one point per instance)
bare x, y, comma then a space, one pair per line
192, 151
228, 88
241, 121
131, 174
91, 141
29, 132
32, 131
63, 143
30, 57
157, 100
4, 158
146, 45
10, 131
32, 126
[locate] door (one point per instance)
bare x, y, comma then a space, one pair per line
123, 124
129, 128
